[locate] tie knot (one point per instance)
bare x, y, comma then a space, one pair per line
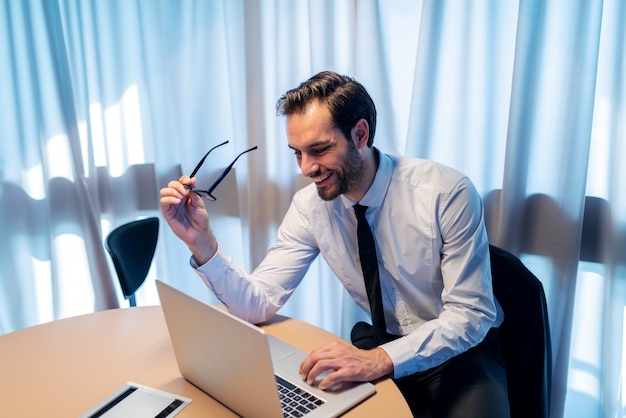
359, 210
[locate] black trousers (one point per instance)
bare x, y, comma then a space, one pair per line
470, 385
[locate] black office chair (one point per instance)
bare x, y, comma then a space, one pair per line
524, 335
132, 247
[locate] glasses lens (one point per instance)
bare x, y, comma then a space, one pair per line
204, 194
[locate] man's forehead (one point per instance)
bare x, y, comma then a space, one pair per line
311, 128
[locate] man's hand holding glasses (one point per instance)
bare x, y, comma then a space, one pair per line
188, 217
207, 194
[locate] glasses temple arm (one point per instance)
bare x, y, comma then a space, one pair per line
226, 171
195, 170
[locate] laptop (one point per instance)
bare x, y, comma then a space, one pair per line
238, 364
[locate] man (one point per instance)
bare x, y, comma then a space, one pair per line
431, 250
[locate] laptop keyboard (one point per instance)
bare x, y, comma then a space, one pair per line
294, 401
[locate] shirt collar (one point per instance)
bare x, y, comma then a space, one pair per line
377, 191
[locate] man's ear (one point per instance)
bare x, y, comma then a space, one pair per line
361, 133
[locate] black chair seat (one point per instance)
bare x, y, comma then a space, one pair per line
132, 247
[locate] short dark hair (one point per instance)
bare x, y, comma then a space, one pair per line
346, 98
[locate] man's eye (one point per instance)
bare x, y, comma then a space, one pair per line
297, 153
320, 151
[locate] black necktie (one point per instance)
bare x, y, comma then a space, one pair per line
369, 265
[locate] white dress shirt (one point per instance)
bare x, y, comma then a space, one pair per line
433, 259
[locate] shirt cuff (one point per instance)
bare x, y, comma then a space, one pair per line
212, 271
401, 353
194, 263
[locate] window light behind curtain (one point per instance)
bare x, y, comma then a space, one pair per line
104, 102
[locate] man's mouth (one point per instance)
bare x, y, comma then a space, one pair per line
322, 180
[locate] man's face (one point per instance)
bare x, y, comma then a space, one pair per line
323, 153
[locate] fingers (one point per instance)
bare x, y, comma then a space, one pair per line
329, 366
315, 367
182, 208
177, 191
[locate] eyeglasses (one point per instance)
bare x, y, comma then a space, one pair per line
206, 194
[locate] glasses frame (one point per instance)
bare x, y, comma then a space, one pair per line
207, 194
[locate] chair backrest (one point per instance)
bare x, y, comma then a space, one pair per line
132, 247
524, 335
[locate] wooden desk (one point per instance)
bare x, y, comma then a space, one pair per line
65, 367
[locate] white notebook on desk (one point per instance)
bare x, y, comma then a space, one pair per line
238, 364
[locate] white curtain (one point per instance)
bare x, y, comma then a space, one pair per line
103, 102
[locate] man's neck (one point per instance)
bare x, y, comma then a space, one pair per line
370, 167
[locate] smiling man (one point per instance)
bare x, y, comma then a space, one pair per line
335, 165
435, 316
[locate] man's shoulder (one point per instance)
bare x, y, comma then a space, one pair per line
422, 171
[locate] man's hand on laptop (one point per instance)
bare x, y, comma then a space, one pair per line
329, 366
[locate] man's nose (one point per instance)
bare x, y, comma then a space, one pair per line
309, 165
